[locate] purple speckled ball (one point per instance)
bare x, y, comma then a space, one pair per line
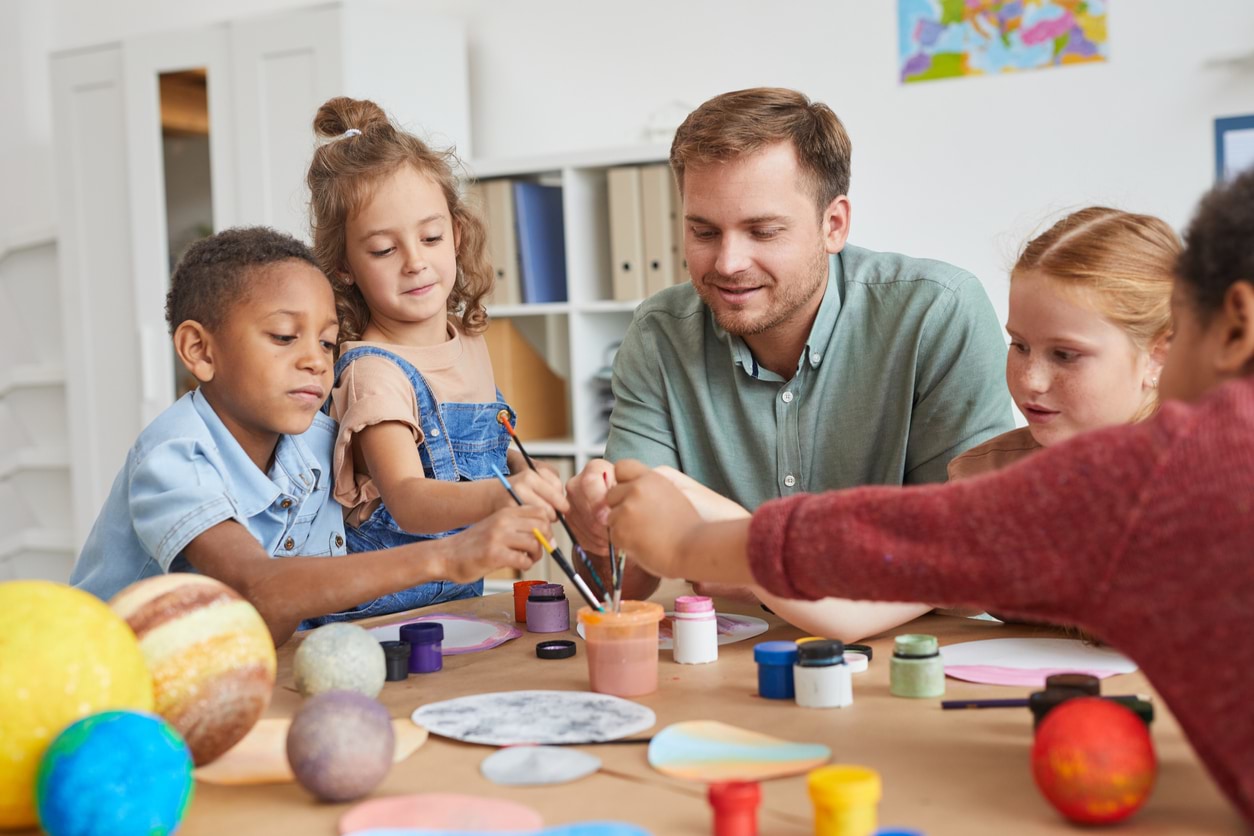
340, 745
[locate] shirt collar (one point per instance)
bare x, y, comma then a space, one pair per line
295, 471
820, 331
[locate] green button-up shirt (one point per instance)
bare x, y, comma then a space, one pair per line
903, 370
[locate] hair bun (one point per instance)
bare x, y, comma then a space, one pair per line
342, 113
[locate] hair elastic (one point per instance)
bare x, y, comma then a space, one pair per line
348, 133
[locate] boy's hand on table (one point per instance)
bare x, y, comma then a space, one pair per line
504, 540
650, 518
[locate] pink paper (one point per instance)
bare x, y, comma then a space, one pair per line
1025, 677
441, 811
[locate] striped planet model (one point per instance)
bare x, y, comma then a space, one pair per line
210, 653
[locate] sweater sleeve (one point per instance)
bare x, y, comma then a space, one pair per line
1039, 539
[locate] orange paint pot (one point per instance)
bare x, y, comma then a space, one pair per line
521, 590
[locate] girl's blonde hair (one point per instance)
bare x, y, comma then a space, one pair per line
364, 147
1123, 264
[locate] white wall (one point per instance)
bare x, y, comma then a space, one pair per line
959, 170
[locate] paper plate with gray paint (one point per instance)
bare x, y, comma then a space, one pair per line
508, 718
533, 766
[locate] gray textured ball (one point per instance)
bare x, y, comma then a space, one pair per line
340, 657
340, 745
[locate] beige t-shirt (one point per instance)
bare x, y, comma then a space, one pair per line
374, 389
994, 454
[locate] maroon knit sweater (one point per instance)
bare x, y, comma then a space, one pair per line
1141, 534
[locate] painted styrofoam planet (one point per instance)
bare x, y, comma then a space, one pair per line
340, 745
340, 657
1094, 760
211, 656
65, 655
707, 750
113, 774
462, 633
509, 718
441, 812
531, 766
261, 757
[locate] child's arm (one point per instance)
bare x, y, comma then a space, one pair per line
429, 506
288, 590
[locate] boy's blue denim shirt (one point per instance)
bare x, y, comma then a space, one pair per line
185, 474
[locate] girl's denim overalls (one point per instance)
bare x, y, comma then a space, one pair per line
461, 442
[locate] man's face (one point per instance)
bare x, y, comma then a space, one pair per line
756, 243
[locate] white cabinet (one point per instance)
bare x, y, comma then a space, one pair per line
576, 336
266, 77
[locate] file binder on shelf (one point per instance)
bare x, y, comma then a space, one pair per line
626, 235
659, 225
541, 242
497, 199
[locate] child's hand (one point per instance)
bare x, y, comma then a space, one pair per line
504, 540
650, 519
540, 489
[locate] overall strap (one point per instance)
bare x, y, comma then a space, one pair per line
435, 448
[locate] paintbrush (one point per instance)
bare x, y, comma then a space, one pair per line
554, 553
502, 418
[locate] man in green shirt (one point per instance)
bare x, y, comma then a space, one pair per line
793, 362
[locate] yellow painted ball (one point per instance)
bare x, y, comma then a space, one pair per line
63, 655
210, 653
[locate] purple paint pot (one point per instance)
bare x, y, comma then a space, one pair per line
547, 609
425, 640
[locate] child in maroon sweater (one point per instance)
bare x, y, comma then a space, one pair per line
1141, 534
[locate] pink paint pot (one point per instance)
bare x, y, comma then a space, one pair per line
622, 648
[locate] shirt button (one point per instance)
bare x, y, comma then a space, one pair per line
787, 396
435, 432
815, 358
286, 503
790, 480
290, 544
339, 541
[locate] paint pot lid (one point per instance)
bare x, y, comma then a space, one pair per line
546, 592
775, 653
694, 603
735, 796
856, 660
844, 785
821, 652
395, 650
1083, 682
555, 649
423, 632
915, 645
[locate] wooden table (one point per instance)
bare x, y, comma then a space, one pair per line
951, 772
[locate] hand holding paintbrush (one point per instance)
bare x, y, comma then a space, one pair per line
502, 418
555, 553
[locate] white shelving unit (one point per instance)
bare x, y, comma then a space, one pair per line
35, 518
575, 335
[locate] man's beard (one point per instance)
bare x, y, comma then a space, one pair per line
789, 297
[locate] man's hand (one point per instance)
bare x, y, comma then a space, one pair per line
650, 518
502, 541
586, 492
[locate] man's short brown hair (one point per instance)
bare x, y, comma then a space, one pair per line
739, 123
